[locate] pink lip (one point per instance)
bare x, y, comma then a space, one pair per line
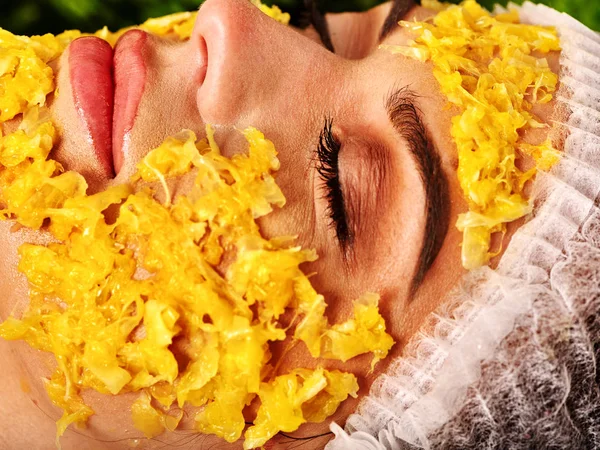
130, 81
91, 61
107, 89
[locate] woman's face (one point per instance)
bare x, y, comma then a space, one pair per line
393, 232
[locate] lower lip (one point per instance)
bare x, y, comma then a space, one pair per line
91, 63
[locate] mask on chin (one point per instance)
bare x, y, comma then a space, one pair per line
115, 290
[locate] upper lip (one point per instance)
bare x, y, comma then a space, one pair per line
107, 89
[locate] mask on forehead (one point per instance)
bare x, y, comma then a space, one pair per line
494, 70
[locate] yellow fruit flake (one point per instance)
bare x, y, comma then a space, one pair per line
485, 66
25, 77
273, 11
293, 399
110, 298
150, 420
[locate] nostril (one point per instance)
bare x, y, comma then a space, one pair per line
201, 60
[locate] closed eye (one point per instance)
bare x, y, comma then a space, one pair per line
328, 150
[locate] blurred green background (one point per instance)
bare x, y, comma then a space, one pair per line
53, 16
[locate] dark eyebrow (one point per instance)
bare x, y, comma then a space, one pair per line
405, 116
399, 9
312, 15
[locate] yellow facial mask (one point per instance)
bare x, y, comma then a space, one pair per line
109, 298
485, 66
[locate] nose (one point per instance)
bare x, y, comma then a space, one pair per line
254, 62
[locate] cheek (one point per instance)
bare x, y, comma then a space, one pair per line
295, 177
168, 105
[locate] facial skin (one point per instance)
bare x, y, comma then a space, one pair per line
285, 83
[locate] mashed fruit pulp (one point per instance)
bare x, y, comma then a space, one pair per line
109, 297
485, 66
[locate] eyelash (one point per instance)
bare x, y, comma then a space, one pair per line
328, 151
